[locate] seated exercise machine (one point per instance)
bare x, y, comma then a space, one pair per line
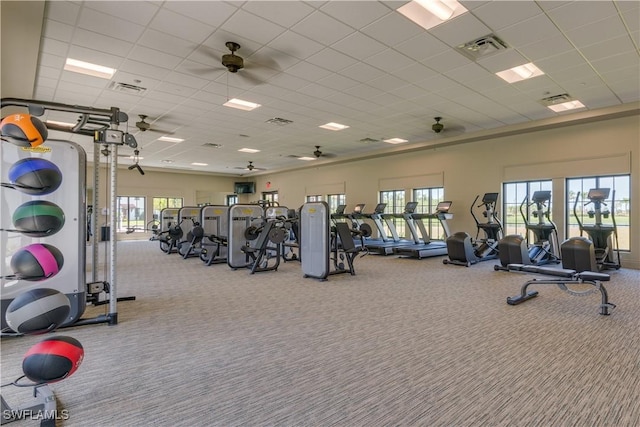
603, 236
513, 249
260, 249
579, 253
324, 249
462, 250
215, 242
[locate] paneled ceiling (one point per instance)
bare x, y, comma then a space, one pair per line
358, 63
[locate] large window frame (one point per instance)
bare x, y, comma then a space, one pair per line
513, 193
620, 195
396, 202
131, 214
335, 200
428, 199
159, 203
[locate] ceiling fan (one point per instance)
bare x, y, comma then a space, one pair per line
144, 126
234, 63
250, 167
319, 153
439, 128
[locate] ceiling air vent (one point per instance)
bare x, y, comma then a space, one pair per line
369, 140
212, 145
556, 99
484, 46
279, 121
127, 88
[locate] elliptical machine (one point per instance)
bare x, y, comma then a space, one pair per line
603, 236
545, 248
461, 249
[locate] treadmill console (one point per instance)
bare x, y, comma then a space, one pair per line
443, 207
598, 194
410, 207
380, 208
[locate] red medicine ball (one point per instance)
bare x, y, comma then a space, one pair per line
23, 130
52, 359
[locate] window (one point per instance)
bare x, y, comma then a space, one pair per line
232, 199
618, 203
513, 195
314, 198
160, 203
395, 201
428, 199
271, 197
131, 215
334, 200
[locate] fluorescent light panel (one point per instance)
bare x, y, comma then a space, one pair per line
429, 13
200, 164
519, 73
565, 106
395, 140
89, 69
307, 158
170, 139
241, 105
249, 150
334, 126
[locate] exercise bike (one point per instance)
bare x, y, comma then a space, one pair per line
460, 247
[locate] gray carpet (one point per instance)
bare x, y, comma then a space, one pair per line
403, 343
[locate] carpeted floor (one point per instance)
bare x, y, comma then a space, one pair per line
405, 342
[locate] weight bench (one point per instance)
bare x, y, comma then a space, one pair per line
564, 277
212, 249
344, 242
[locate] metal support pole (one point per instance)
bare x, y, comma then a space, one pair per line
113, 295
94, 213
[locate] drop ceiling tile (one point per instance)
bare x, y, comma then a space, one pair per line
95, 57
154, 57
54, 47
338, 82
134, 11
364, 91
90, 86
331, 60
353, 14
308, 71
574, 14
181, 26
392, 29
631, 16
388, 83
362, 72
212, 13
460, 30
109, 25
63, 11
609, 47
414, 72
563, 61
283, 13
57, 30
143, 70
359, 46
551, 46
421, 47
101, 43
161, 40
388, 60
500, 14
529, 31
296, 45
252, 27
316, 90
48, 73
322, 28
446, 61
435, 83
614, 62
598, 31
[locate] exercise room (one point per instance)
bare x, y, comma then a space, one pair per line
320, 213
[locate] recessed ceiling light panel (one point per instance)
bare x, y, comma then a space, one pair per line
395, 140
334, 126
519, 73
429, 13
89, 69
249, 150
170, 139
241, 105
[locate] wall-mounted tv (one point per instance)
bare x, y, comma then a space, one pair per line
244, 187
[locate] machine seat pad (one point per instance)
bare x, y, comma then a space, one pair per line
551, 271
591, 275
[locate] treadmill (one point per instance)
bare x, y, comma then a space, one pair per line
427, 247
385, 245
